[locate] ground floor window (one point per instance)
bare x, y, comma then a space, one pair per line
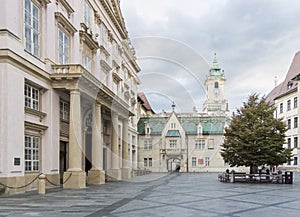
207, 161
194, 161
32, 153
148, 162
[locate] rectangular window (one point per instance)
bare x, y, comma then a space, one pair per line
200, 144
32, 96
289, 123
295, 122
63, 47
289, 142
87, 62
32, 29
281, 108
289, 105
210, 144
103, 36
145, 162
295, 102
295, 142
295, 161
150, 162
173, 143
146, 144
87, 14
194, 161
32, 156
64, 110
207, 161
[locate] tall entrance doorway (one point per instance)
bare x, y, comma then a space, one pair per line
63, 159
88, 142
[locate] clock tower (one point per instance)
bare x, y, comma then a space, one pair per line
215, 102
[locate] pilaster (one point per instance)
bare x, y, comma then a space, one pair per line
96, 175
76, 177
126, 171
115, 172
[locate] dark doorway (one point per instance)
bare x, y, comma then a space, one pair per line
88, 151
62, 160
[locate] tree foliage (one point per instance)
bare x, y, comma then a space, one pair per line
255, 137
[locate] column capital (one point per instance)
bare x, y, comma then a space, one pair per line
75, 91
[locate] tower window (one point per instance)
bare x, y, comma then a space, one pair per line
216, 84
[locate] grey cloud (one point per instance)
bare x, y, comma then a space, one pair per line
256, 38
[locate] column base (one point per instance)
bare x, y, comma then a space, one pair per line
96, 177
114, 174
126, 173
76, 179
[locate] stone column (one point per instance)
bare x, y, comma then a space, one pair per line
75, 177
96, 175
115, 171
126, 171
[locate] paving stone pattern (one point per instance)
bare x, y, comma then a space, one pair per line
160, 194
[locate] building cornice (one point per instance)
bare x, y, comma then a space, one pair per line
115, 18
8, 56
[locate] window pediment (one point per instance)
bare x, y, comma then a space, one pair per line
42, 3
116, 78
67, 6
88, 39
65, 23
36, 127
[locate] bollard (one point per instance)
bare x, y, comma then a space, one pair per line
42, 184
232, 177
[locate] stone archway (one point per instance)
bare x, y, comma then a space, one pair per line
173, 164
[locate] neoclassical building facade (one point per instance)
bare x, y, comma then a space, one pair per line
187, 142
68, 91
285, 97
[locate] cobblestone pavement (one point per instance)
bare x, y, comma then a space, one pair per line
158, 194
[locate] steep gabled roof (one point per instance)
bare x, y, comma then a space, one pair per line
145, 102
288, 85
211, 125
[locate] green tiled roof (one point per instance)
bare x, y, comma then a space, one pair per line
210, 125
173, 133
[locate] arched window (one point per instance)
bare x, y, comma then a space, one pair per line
216, 84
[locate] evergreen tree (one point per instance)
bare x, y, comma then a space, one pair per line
255, 137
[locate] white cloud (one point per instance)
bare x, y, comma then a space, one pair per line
255, 41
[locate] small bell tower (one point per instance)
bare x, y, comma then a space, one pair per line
215, 102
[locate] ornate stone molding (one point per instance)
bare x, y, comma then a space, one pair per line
42, 3
65, 23
113, 16
88, 39
36, 127
105, 65
116, 77
67, 6
40, 114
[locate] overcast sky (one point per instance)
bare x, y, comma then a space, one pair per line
175, 41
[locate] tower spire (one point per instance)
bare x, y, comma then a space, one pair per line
215, 64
